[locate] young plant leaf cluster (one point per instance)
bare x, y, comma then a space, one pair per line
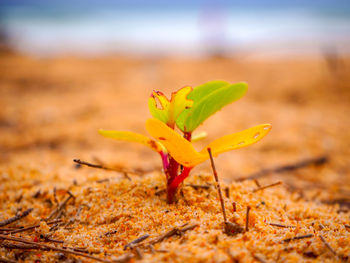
187, 109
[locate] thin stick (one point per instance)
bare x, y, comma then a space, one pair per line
259, 258
60, 206
53, 240
279, 225
74, 218
37, 247
68, 251
56, 226
5, 260
16, 217
188, 227
103, 180
151, 247
347, 226
32, 227
247, 219
136, 241
21, 246
37, 194
110, 233
287, 168
217, 185
234, 207
328, 245
198, 186
138, 253
10, 228
298, 237
172, 232
257, 182
99, 166
227, 192
55, 195
266, 186
166, 235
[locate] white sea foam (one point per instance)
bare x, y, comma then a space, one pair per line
179, 31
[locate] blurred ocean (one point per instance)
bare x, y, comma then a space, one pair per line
184, 27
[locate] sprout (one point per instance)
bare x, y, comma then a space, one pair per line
187, 109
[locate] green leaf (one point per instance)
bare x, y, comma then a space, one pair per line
203, 90
208, 99
196, 95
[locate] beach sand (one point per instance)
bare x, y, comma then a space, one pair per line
51, 109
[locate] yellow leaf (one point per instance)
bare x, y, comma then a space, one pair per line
162, 112
184, 153
169, 111
132, 137
179, 103
237, 140
178, 147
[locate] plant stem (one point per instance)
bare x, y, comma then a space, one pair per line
165, 163
174, 184
173, 169
188, 136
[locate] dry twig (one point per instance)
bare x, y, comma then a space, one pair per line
247, 219
63, 250
16, 217
32, 227
234, 207
5, 260
172, 232
166, 235
38, 247
298, 237
138, 253
217, 185
198, 186
109, 233
99, 166
258, 258
328, 245
286, 168
257, 182
279, 225
227, 192
60, 206
266, 186
136, 241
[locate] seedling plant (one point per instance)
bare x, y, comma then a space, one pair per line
174, 122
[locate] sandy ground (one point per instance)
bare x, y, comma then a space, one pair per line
51, 109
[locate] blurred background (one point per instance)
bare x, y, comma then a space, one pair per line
68, 68
195, 27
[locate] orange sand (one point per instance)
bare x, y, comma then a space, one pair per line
51, 110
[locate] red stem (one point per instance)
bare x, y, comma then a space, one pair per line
188, 136
173, 169
165, 161
174, 184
